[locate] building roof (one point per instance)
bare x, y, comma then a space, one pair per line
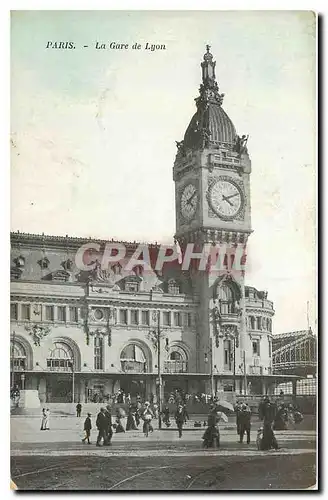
210, 125
221, 128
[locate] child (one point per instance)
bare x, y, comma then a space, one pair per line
87, 428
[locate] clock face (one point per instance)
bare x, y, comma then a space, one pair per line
226, 199
188, 201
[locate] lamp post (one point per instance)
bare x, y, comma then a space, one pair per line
156, 339
234, 365
211, 366
73, 379
13, 360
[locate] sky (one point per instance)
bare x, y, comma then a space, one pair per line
93, 131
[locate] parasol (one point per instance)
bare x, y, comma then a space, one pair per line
222, 416
225, 405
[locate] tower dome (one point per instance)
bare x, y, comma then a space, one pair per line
210, 126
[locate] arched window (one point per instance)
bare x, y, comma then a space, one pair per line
133, 359
177, 362
19, 356
60, 358
252, 323
176, 356
259, 323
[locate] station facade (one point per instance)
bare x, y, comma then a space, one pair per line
80, 335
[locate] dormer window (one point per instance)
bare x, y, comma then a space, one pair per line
138, 270
44, 262
19, 261
67, 264
173, 287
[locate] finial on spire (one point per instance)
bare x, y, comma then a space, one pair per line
209, 88
208, 56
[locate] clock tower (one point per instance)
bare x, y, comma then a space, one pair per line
212, 192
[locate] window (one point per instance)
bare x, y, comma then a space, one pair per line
133, 359
14, 311
270, 349
19, 355
252, 322
259, 323
173, 287
166, 318
135, 317
73, 316
61, 313
123, 316
177, 319
131, 286
49, 311
189, 319
256, 347
60, 358
227, 354
98, 353
176, 356
26, 312
145, 317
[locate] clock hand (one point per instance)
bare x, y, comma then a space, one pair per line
191, 197
231, 196
225, 198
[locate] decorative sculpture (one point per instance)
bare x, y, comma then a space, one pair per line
37, 333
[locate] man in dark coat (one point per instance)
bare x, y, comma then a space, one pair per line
268, 413
180, 419
101, 424
238, 410
78, 409
109, 423
185, 413
245, 422
87, 428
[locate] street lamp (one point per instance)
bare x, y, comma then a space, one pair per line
156, 339
71, 363
13, 360
206, 358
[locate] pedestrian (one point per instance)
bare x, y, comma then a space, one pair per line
44, 419
109, 423
180, 419
101, 424
78, 409
166, 414
268, 413
130, 423
47, 421
87, 428
211, 437
238, 410
185, 414
120, 413
147, 416
245, 423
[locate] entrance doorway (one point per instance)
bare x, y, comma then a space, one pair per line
59, 390
134, 388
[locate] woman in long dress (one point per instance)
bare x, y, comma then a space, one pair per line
211, 437
130, 423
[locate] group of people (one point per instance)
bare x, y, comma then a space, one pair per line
106, 422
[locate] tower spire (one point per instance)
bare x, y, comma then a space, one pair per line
209, 89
